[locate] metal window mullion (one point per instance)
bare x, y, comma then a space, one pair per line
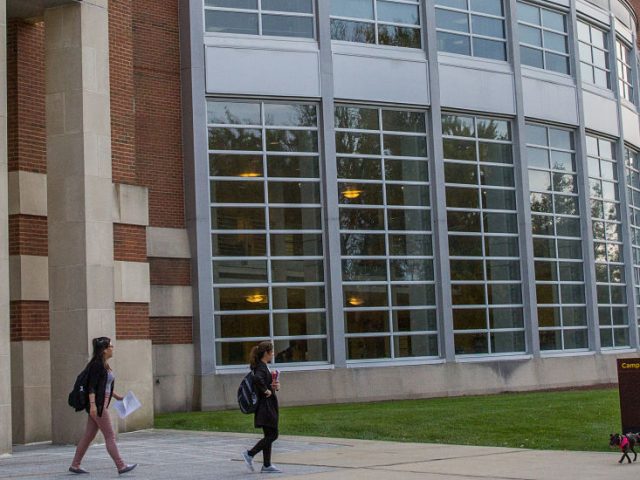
442, 269
333, 263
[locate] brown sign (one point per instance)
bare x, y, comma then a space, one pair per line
629, 387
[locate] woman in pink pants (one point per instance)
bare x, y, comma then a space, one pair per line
101, 388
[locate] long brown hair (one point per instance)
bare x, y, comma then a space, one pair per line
100, 344
257, 352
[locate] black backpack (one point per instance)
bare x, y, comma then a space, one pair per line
79, 398
247, 396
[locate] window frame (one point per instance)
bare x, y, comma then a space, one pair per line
605, 50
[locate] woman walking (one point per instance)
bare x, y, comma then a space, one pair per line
100, 387
266, 415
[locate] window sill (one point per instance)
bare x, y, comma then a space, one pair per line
548, 76
486, 64
260, 42
378, 51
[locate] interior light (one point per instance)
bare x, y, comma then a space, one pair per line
250, 174
355, 301
256, 298
351, 193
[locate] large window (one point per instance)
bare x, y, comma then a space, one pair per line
607, 237
594, 55
625, 79
266, 230
282, 18
632, 160
383, 22
385, 233
543, 38
471, 27
483, 235
557, 248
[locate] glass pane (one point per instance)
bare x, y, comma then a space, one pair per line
237, 192
292, 141
356, 118
546, 271
538, 157
471, 343
360, 193
287, 26
530, 35
291, 166
503, 270
465, 246
498, 176
499, 199
406, 170
453, 3
230, 326
405, 146
285, 324
489, 49
353, 244
403, 121
361, 168
467, 270
502, 246
460, 173
463, 221
572, 271
541, 202
239, 271
459, 149
468, 294
469, 319
252, 298
458, 126
300, 350
416, 346
234, 353
233, 218
557, 63
411, 270
504, 294
226, 165
492, 7
248, 4
358, 219
239, 245
294, 192
397, 13
367, 322
297, 271
413, 295
365, 295
353, 31
298, 6
553, 20
296, 115
399, 36
295, 245
531, 57
235, 139
452, 20
368, 348
347, 142
352, 8
495, 152
555, 41
539, 180
364, 270
507, 342
562, 161
462, 197
506, 318
560, 139
493, 129
297, 297
240, 113
490, 27
231, 22
416, 195
409, 220
294, 218
410, 245
528, 13
449, 42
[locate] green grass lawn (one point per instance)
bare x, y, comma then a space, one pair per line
566, 420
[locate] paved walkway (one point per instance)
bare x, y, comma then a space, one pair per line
164, 454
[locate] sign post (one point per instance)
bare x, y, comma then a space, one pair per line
629, 388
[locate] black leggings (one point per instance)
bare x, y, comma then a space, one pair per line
264, 445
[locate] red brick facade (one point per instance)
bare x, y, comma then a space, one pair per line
28, 235
170, 271
25, 90
132, 321
29, 320
171, 330
129, 243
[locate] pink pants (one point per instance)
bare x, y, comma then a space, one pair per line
103, 424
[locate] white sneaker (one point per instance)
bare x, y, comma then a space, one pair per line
270, 469
248, 460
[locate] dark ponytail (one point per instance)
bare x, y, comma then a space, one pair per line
100, 344
257, 352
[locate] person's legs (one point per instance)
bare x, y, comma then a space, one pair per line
89, 434
104, 423
270, 436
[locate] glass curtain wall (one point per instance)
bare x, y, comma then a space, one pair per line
266, 230
486, 285
283, 18
632, 162
383, 22
594, 55
472, 27
607, 237
543, 38
557, 248
385, 233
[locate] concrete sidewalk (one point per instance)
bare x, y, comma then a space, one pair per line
166, 454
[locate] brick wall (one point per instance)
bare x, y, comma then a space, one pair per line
158, 109
129, 243
132, 321
170, 271
26, 150
29, 320
171, 330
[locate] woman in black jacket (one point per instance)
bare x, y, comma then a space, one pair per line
266, 415
100, 388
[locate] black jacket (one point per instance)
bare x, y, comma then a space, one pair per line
97, 384
267, 412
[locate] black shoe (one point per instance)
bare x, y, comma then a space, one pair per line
128, 468
77, 470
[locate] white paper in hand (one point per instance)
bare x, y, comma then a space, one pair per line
127, 405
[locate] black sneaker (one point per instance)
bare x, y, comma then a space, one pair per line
128, 468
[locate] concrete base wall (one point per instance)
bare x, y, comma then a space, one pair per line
173, 378
423, 381
132, 365
31, 391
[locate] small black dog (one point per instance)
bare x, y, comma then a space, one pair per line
625, 443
